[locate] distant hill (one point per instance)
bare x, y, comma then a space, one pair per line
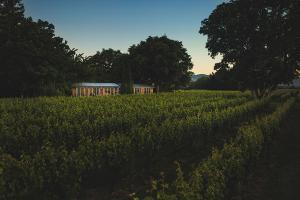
195, 77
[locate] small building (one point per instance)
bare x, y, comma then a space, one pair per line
142, 89
95, 89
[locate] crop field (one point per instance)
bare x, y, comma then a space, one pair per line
124, 147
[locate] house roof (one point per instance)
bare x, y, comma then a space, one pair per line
142, 86
96, 85
109, 85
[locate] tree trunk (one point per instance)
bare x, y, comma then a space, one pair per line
260, 93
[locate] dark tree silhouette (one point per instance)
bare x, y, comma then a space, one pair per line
258, 39
103, 65
33, 60
162, 61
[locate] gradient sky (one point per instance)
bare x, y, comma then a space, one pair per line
90, 25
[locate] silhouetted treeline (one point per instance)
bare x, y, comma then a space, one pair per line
35, 62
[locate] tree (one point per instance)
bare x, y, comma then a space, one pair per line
103, 65
123, 73
259, 40
220, 80
161, 61
33, 60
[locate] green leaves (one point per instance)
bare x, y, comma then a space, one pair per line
226, 167
257, 39
162, 61
58, 145
34, 61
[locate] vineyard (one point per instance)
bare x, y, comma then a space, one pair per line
124, 147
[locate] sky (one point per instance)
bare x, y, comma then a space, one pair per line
91, 25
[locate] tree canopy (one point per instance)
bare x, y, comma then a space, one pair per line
157, 60
33, 60
104, 65
258, 39
161, 61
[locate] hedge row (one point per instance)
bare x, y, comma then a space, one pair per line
215, 178
56, 172
27, 125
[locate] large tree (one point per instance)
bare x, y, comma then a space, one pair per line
161, 61
104, 65
258, 39
123, 73
33, 61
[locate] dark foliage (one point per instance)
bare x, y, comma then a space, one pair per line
161, 61
221, 80
103, 66
33, 60
258, 39
158, 60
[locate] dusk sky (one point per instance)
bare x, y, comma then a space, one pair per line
91, 25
